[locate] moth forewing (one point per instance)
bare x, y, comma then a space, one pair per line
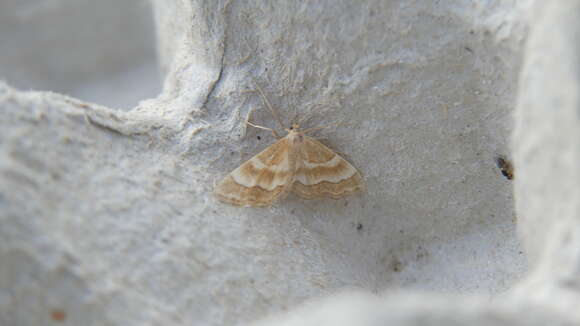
261, 180
323, 173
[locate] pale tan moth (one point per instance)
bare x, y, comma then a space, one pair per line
295, 163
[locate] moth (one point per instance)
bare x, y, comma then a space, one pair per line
295, 163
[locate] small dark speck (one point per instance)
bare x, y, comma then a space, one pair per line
468, 49
421, 253
259, 138
359, 226
505, 167
397, 265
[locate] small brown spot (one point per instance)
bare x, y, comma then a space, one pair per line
58, 315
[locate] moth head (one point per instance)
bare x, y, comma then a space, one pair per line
294, 127
295, 135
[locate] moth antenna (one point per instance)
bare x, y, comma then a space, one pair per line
312, 113
295, 119
304, 118
269, 105
248, 117
264, 128
323, 127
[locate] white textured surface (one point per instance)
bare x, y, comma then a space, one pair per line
106, 215
100, 51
